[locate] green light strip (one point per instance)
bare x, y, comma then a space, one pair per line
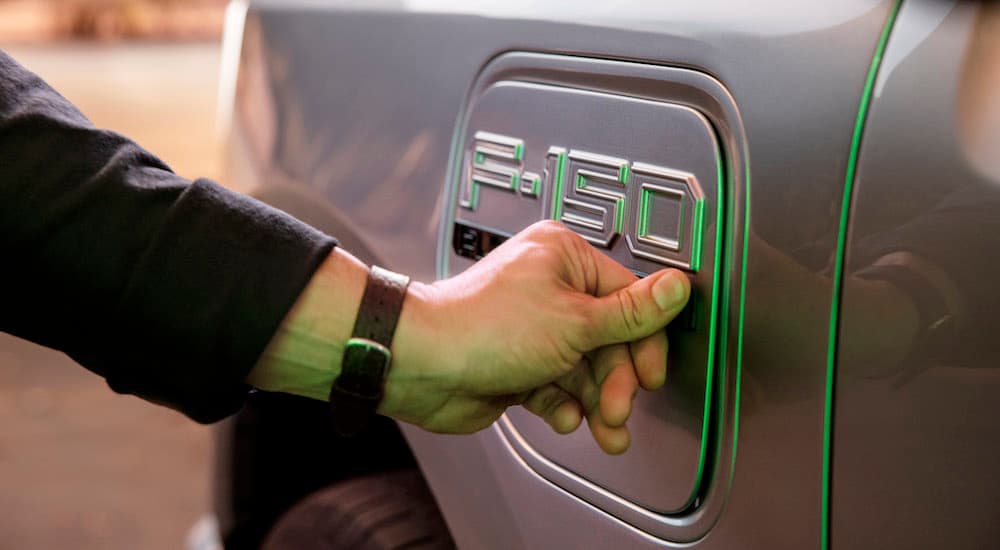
619, 215
557, 186
739, 320
718, 316
643, 212
699, 213
838, 271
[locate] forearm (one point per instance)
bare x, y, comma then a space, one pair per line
167, 288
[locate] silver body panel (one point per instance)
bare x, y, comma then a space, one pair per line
916, 443
359, 107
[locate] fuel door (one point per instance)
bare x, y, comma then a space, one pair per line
641, 176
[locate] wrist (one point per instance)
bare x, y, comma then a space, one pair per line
304, 355
418, 374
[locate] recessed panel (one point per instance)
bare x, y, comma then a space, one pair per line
639, 180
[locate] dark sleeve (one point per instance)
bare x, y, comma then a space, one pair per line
167, 288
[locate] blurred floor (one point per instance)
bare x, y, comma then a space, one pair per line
80, 466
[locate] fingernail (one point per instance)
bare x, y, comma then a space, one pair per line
668, 291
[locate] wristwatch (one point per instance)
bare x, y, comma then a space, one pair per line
357, 391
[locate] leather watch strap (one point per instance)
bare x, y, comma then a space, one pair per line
380, 306
357, 391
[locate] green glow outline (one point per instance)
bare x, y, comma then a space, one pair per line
696, 230
623, 174
557, 185
740, 319
838, 270
473, 202
536, 182
620, 215
716, 337
643, 212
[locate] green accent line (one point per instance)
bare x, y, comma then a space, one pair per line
740, 319
644, 213
619, 215
718, 316
838, 270
519, 151
558, 186
536, 184
696, 229
623, 174
480, 159
474, 196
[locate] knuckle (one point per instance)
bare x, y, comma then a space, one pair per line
631, 312
544, 402
547, 229
551, 403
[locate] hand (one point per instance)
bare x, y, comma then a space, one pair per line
545, 321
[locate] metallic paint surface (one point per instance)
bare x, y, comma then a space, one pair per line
838, 267
916, 438
356, 107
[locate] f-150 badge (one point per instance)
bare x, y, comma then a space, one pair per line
658, 210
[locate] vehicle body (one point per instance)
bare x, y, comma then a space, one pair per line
792, 156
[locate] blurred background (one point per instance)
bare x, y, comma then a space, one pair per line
80, 466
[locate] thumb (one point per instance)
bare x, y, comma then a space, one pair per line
639, 309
